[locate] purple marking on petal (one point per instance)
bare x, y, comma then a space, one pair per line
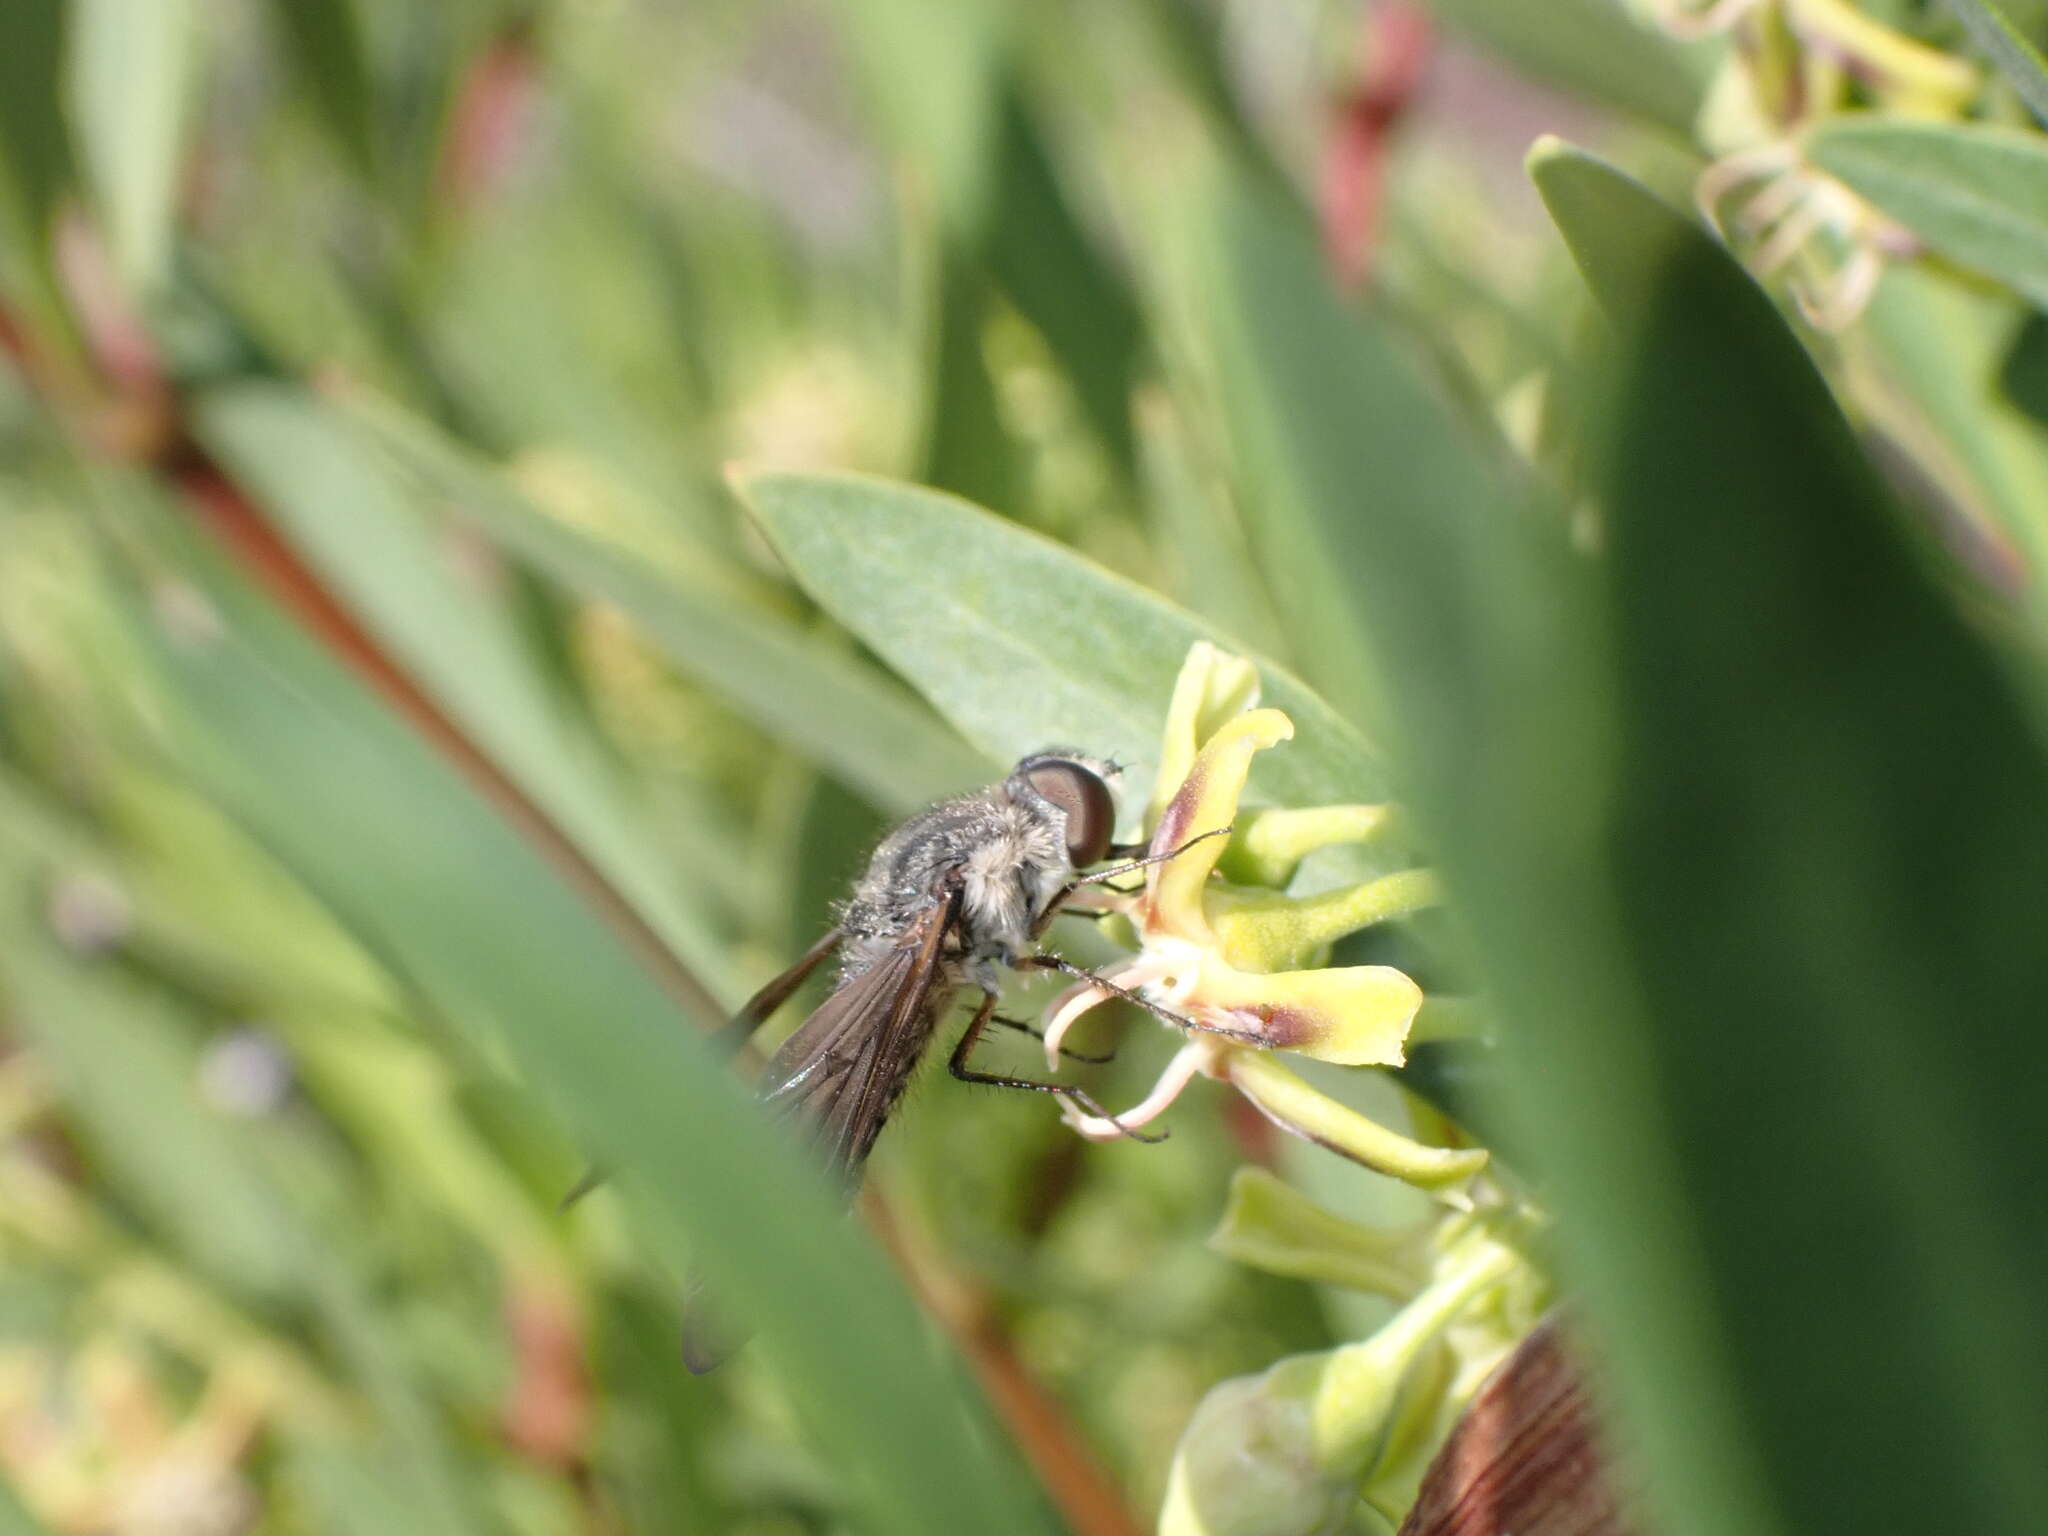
1283, 1028
1179, 815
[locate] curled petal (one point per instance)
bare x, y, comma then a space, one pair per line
1212, 687
1192, 1059
1294, 1106
1075, 1001
1269, 845
1206, 800
1354, 1015
1260, 930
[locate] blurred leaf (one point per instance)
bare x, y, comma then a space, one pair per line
798, 687
932, 73
349, 1489
2023, 376
35, 152
1197, 532
133, 67
325, 46
1191, 37
483, 926
553, 326
363, 529
1333, 419
662, 1461
15, 1520
1475, 618
1595, 49
1935, 344
129, 1070
2017, 58
1017, 640
1975, 194
967, 449
1765, 802
1049, 266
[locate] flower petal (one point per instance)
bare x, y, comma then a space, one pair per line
1213, 686
1294, 1106
1205, 801
1354, 1015
1188, 1063
1261, 930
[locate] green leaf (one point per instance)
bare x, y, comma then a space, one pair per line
325, 46
494, 939
1017, 640
131, 86
967, 449
1621, 237
125, 1060
1332, 418
1050, 269
1473, 613
1759, 797
15, 1520
1196, 528
1975, 194
2023, 375
932, 73
797, 686
1933, 345
35, 151
1595, 49
367, 532
2017, 59
128, 1068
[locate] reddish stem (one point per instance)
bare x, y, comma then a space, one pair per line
236, 521
1399, 41
1086, 1496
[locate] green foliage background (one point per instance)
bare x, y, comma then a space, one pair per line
397, 692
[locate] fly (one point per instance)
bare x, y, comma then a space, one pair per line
950, 899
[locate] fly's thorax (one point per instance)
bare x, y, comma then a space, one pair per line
1007, 881
1006, 855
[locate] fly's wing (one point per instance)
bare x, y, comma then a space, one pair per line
840, 1074
757, 1009
841, 1071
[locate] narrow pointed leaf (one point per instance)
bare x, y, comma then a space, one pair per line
2017, 58
1974, 193
1018, 640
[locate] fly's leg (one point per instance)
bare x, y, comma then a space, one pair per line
1137, 999
1145, 860
959, 1068
1038, 1034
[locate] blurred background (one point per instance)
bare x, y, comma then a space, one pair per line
280, 1255
416, 341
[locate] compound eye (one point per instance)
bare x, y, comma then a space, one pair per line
1081, 793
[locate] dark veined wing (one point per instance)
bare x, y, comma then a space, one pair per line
840, 1073
842, 1070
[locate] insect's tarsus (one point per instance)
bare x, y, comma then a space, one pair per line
966, 1074
1158, 1010
1038, 1034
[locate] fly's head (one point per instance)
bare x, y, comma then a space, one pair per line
1075, 794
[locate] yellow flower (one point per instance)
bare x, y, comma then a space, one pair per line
1228, 959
